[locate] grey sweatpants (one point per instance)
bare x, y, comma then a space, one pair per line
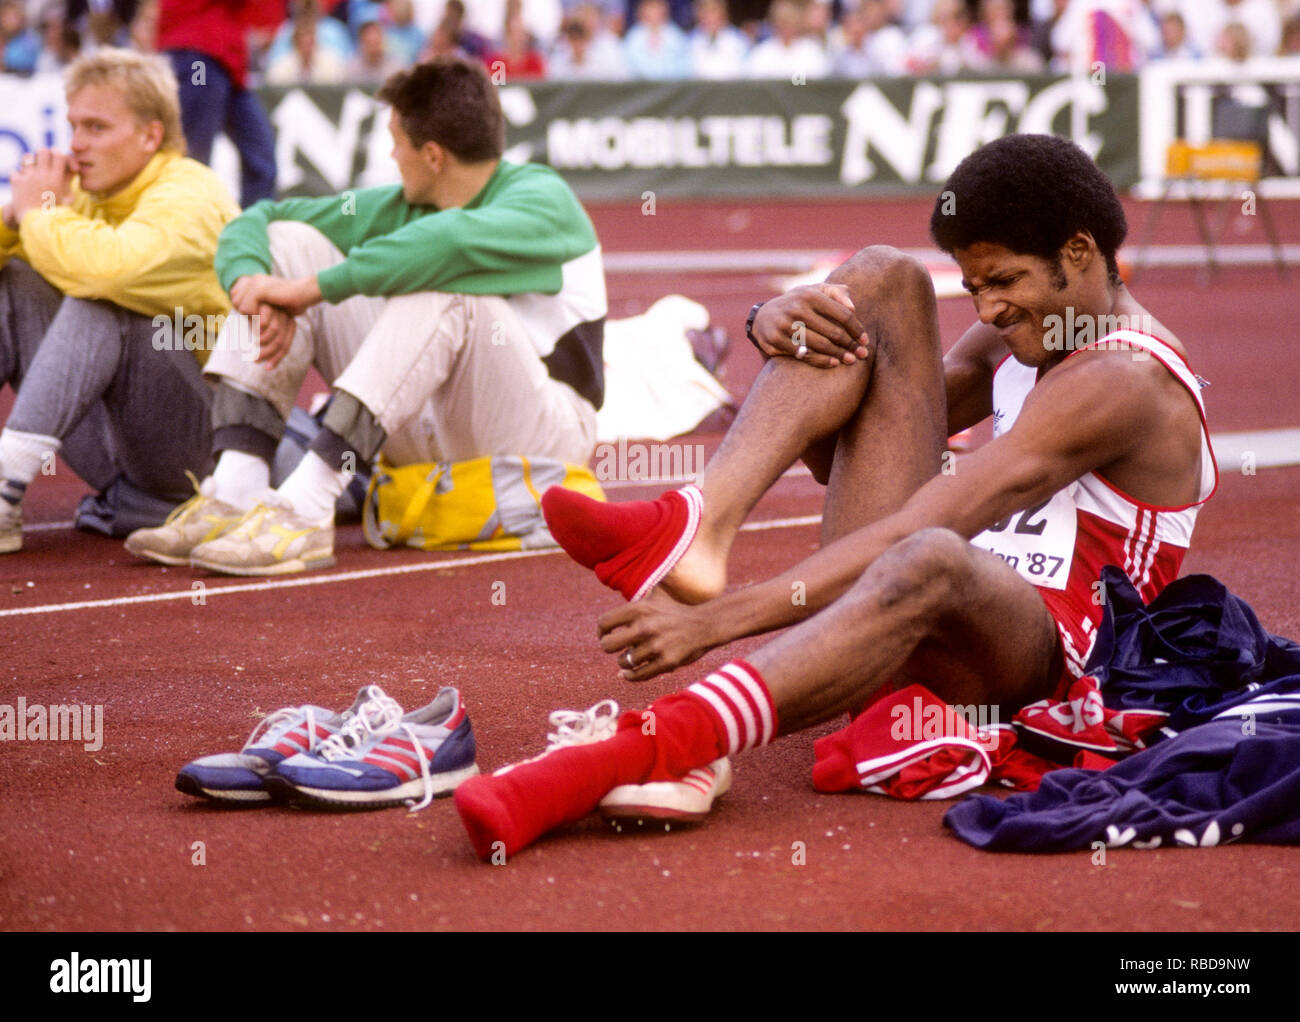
88, 373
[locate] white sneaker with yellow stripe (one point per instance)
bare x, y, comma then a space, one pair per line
11, 527
201, 518
269, 540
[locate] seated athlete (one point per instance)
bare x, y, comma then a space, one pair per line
977, 582
457, 315
105, 254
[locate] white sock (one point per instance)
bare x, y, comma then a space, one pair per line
240, 478
313, 487
23, 455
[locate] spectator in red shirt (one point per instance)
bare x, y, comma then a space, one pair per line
206, 42
519, 58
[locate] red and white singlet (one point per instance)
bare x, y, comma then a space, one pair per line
1061, 545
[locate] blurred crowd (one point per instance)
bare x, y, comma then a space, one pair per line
332, 41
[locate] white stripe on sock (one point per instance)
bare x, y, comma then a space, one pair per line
723, 710
736, 697
741, 703
762, 700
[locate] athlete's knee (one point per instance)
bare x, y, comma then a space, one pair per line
938, 551
880, 271
922, 572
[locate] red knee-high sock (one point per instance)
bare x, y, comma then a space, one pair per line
727, 712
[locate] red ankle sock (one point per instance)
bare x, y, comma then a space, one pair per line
729, 711
592, 531
631, 546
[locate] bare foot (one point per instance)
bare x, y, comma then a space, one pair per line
700, 575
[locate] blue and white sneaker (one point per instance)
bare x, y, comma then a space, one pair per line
375, 763
237, 777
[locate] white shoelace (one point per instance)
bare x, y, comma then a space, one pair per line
282, 717
377, 717
269, 502
574, 727
580, 727
411, 804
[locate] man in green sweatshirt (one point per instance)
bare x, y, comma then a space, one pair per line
457, 315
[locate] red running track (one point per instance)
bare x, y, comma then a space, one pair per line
100, 840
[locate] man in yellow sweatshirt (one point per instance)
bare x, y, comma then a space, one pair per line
109, 302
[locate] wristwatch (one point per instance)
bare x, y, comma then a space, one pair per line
749, 325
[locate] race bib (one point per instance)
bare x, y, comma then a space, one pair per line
1038, 541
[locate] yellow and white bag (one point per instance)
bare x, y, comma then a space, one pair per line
492, 503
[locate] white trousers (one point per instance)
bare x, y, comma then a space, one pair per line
448, 376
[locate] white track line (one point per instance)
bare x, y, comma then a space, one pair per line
1264, 448
793, 472
612, 484
1268, 448
287, 583
345, 576
781, 523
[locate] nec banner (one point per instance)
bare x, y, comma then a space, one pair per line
821, 138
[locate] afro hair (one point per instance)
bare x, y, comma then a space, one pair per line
1030, 194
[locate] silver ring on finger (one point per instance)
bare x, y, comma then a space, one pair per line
628, 661
801, 351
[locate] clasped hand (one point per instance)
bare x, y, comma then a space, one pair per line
816, 324
275, 301
43, 179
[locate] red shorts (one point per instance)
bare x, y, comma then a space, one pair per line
1077, 629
